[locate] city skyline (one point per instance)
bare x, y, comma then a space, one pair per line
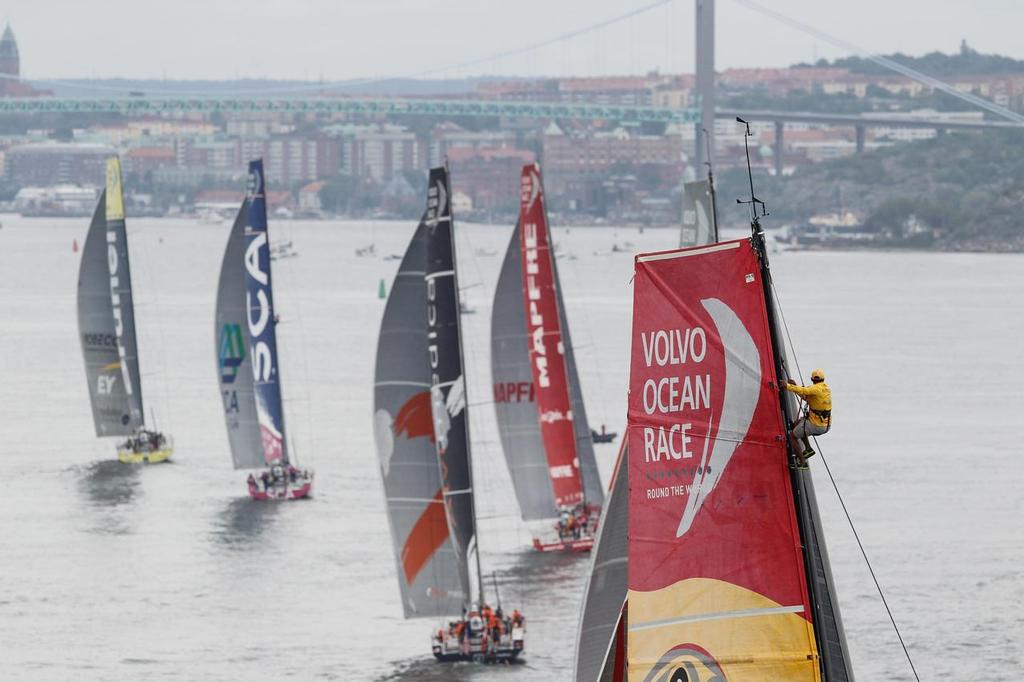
315, 39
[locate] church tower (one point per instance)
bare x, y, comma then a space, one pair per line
10, 62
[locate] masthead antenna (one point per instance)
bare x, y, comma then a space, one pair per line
711, 183
753, 201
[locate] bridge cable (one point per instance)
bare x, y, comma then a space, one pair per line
849, 519
339, 85
890, 64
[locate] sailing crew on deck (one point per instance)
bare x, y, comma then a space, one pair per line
818, 417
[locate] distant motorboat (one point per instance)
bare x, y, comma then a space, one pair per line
282, 250
367, 251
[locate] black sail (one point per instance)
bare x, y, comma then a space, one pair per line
447, 383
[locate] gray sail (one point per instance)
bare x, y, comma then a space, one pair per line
606, 588
231, 334
698, 214
514, 403
428, 567
593, 491
116, 402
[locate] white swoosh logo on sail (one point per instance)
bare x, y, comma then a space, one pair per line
534, 188
442, 201
742, 390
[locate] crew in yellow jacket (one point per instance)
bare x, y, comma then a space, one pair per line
818, 419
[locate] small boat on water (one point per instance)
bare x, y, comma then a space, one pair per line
283, 250
248, 369
542, 421
603, 436
421, 429
106, 327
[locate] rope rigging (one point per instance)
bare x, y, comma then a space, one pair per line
842, 503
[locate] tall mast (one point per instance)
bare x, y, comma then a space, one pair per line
829, 636
711, 187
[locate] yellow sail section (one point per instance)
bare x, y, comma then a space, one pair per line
115, 197
718, 631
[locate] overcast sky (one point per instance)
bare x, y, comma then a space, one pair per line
343, 39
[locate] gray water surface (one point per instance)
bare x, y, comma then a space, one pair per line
109, 572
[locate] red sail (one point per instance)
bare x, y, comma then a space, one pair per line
716, 573
547, 353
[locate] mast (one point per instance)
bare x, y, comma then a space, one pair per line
828, 625
711, 188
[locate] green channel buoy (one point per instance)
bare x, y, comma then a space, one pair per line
382, 290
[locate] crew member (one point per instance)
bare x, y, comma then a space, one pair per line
818, 418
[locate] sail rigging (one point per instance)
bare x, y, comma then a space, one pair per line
717, 579
106, 316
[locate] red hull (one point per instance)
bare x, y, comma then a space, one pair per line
288, 492
581, 545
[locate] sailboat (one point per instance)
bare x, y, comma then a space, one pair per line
728, 573
106, 327
699, 225
421, 428
542, 421
601, 637
248, 369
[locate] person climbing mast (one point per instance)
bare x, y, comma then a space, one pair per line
817, 419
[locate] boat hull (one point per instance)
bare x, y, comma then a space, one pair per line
584, 544
448, 648
289, 491
153, 457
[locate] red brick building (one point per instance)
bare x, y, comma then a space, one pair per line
489, 177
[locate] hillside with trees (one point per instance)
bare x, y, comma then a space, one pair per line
965, 189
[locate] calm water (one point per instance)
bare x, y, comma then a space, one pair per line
109, 572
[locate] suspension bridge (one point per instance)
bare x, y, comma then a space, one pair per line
701, 116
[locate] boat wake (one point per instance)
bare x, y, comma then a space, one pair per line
107, 483
422, 670
243, 521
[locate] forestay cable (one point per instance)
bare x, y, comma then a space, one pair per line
842, 503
